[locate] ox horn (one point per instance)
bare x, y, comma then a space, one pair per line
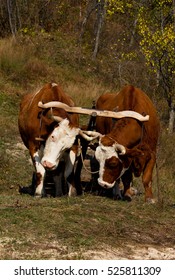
95, 112
90, 135
56, 118
120, 148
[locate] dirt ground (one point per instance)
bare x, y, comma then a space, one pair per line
54, 251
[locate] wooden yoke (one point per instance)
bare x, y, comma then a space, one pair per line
94, 112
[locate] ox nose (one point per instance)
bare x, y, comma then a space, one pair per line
48, 165
104, 184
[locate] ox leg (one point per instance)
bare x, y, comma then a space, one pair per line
58, 185
147, 179
40, 174
69, 173
59, 180
116, 191
84, 144
128, 190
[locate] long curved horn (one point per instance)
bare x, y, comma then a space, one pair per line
90, 135
56, 118
95, 112
52, 104
120, 148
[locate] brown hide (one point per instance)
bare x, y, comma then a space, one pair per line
32, 123
125, 130
131, 133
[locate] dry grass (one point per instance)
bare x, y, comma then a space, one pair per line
20, 64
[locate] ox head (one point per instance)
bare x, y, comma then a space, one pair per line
61, 139
113, 160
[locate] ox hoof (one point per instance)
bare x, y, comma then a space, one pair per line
38, 196
150, 200
117, 197
26, 190
127, 198
133, 191
72, 192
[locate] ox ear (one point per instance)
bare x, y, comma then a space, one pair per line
47, 121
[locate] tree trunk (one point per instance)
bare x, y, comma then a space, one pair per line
100, 8
171, 120
90, 8
10, 17
133, 33
100, 19
97, 38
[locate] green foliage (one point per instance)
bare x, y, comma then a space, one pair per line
157, 41
30, 31
118, 6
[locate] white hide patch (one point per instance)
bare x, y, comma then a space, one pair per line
37, 158
61, 139
39, 169
104, 152
70, 161
54, 85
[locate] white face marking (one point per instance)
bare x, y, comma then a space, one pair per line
70, 161
103, 153
61, 139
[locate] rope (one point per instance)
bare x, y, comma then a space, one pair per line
87, 169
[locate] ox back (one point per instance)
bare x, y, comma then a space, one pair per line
138, 139
36, 124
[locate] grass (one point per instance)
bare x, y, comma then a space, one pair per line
80, 224
66, 228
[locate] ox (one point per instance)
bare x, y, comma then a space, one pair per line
127, 146
49, 134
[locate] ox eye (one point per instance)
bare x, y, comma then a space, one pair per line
111, 163
103, 149
53, 138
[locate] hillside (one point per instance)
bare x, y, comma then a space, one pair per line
81, 227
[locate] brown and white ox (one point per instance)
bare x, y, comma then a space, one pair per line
49, 134
127, 146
